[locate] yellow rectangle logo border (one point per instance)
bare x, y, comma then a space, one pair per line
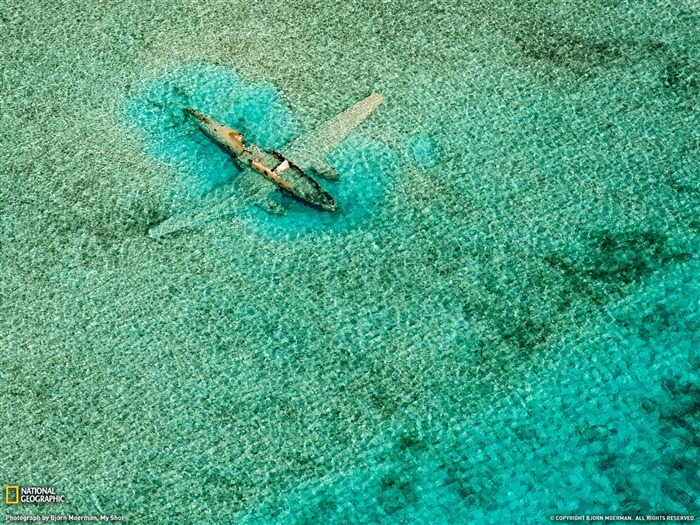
7, 494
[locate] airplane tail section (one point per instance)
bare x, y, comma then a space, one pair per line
324, 169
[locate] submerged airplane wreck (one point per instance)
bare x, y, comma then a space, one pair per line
272, 165
265, 172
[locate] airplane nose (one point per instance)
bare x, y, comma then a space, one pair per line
194, 113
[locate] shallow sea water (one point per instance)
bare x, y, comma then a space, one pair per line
502, 324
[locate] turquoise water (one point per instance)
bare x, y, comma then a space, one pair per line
591, 438
259, 113
500, 325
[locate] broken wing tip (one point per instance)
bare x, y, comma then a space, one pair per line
378, 98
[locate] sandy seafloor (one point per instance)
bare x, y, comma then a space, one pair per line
501, 325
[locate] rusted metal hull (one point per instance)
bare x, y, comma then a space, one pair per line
271, 165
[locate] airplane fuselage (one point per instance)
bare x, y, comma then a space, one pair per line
271, 165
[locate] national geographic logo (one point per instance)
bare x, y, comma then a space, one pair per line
14, 495
11, 495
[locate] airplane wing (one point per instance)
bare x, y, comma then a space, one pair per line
252, 187
192, 221
310, 150
257, 190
